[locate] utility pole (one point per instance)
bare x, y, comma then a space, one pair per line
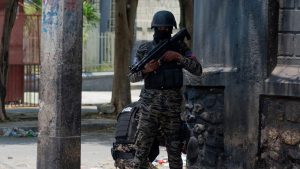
59, 140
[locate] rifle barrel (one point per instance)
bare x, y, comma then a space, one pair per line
159, 50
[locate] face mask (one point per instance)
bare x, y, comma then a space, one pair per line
161, 35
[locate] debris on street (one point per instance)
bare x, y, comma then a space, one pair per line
18, 132
162, 162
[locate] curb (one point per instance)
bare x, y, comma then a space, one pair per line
26, 127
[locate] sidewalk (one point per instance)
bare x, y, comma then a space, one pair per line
94, 98
25, 119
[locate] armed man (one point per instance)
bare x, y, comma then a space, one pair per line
162, 96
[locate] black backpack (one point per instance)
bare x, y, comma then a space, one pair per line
125, 132
127, 121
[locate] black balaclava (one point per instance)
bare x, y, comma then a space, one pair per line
162, 35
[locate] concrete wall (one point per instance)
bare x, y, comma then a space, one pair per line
280, 111
284, 79
280, 132
204, 112
234, 40
251, 50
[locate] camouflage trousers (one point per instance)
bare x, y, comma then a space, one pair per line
160, 110
128, 164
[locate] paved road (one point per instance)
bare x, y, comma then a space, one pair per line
88, 97
20, 152
92, 98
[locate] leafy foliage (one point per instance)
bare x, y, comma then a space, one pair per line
90, 16
33, 7
90, 13
90, 19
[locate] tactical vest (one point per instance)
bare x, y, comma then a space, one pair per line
169, 75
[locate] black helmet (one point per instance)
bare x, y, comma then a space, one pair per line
163, 18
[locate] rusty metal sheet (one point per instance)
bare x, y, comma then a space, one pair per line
15, 84
16, 41
15, 81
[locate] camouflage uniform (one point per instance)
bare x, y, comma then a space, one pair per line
162, 108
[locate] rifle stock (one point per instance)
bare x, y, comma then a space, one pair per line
157, 52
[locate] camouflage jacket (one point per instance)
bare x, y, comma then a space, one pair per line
187, 61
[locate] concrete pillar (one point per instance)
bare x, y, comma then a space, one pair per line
105, 9
60, 85
231, 37
280, 102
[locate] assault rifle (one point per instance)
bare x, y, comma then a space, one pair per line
157, 52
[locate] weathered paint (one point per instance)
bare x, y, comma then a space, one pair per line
241, 36
232, 35
60, 86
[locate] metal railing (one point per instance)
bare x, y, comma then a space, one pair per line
31, 85
104, 59
100, 59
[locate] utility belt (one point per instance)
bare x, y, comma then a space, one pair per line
165, 79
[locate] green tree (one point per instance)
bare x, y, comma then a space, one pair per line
33, 7
90, 16
9, 20
90, 19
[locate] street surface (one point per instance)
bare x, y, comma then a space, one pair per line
20, 152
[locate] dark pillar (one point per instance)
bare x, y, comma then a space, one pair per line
280, 105
230, 37
60, 85
105, 9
